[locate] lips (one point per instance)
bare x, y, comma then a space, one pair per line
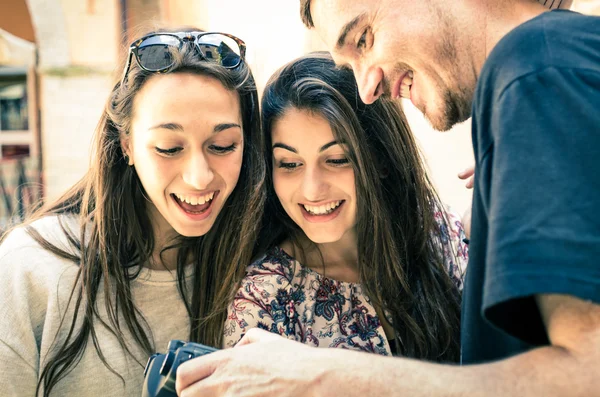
322, 213
322, 209
195, 204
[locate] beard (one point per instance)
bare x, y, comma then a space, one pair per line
456, 109
456, 102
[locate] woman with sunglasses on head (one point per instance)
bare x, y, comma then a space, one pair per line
362, 254
151, 243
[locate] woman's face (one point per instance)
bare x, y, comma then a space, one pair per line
186, 144
313, 178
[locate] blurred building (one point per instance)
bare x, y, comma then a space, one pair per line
58, 61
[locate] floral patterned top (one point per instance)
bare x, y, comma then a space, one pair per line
282, 296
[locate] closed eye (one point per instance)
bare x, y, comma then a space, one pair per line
168, 152
222, 149
338, 162
289, 166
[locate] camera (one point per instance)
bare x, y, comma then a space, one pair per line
161, 369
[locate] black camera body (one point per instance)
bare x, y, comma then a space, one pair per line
161, 369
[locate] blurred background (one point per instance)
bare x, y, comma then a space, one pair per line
58, 61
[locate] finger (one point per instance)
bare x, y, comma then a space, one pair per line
203, 389
470, 171
470, 183
256, 335
197, 369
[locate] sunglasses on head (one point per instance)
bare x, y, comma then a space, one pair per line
154, 52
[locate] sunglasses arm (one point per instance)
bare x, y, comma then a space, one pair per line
127, 66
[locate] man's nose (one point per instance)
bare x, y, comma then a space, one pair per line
370, 83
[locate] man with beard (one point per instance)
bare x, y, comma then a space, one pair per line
530, 79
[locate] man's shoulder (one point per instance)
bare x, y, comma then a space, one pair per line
558, 39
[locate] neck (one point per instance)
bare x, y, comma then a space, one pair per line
494, 20
168, 259
504, 16
337, 260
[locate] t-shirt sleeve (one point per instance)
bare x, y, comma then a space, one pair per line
19, 315
544, 222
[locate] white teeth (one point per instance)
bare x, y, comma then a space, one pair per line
406, 84
405, 91
322, 209
196, 200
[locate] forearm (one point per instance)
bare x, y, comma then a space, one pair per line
548, 371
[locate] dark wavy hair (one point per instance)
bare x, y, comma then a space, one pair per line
110, 204
400, 256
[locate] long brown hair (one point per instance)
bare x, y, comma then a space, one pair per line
114, 241
400, 257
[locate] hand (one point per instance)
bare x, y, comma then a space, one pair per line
466, 222
469, 174
261, 364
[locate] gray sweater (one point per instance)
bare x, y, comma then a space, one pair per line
35, 286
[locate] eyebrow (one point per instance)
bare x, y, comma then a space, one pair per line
328, 145
178, 127
225, 126
284, 146
291, 149
347, 28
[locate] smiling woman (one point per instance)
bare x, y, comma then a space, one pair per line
188, 161
151, 243
359, 253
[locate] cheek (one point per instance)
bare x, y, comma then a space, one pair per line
347, 182
229, 168
151, 169
283, 186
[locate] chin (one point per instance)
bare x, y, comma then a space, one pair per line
440, 124
196, 231
323, 238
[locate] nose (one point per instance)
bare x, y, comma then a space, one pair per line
314, 185
370, 83
197, 172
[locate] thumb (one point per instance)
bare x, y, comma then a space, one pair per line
257, 335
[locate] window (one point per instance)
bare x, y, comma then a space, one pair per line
13, 104
16, 126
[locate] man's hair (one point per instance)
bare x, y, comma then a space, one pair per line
308, 21
305, 14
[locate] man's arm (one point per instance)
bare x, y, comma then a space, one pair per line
267, 365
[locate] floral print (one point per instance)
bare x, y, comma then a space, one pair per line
282, 296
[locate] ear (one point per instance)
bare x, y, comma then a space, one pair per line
126, 149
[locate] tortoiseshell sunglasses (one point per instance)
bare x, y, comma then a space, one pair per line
154, 51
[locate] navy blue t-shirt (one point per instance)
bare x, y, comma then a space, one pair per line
536, 201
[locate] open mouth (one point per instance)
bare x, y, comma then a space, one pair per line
404, 85
194, 205
324, 209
